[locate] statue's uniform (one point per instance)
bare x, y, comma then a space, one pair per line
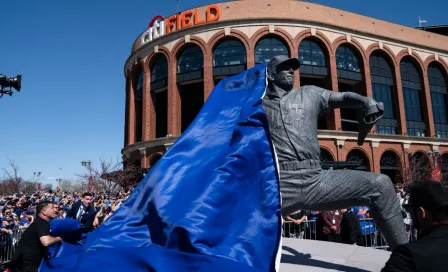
304, 185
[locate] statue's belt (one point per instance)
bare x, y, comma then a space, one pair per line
297, 165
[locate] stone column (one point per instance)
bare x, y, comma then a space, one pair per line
335, 122
376, 157
295, 54
174, 102
340, 149
368, 82
209, 83
250, 57
148, 110
428, 114
144, 160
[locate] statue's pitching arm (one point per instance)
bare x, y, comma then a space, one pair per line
372, 110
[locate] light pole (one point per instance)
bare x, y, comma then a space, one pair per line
87, 164
36, 175
58, 180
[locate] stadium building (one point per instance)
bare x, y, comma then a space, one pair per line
175, 64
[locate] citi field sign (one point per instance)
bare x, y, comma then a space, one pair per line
189, 18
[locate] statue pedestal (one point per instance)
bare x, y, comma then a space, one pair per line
310, 255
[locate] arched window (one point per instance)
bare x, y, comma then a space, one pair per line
229, 58
325, 156
350, 79
269, 47
357, 156
383, 88
190, 60
138, 98
159, 72
312, 53
190, 74
389, 160
229, 52
413, 98
314, 69
138, 86
346, 59
159, 93
437, 86
390, 165
313, 60
154, 159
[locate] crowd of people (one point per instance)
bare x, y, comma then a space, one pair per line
427, 205
19, 211
352, 225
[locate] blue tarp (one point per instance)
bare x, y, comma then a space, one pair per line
211, 203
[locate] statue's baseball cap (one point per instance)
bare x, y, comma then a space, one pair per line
281, 59
431, 195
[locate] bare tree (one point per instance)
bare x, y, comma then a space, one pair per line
109, 177
67, 185
443, 164
126, 178
29, 187
13, 181
3, 189
419, 168
47, 187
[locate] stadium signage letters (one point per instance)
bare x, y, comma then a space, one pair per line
156, 28
189, 18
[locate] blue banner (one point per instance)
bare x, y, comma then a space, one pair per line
211, 203
367, 227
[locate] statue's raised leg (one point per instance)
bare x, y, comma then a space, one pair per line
318, 189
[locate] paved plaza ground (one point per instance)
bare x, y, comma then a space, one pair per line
308, 255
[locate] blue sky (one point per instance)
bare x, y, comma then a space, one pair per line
71, 55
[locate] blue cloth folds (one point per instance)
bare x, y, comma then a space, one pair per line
64, 228
211, 203
70, 230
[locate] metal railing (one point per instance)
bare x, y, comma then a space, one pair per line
371, 235
8, 244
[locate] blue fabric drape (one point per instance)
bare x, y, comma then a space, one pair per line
211, 203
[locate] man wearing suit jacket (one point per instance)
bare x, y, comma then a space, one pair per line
83, 212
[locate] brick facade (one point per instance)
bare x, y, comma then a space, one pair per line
172, 45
